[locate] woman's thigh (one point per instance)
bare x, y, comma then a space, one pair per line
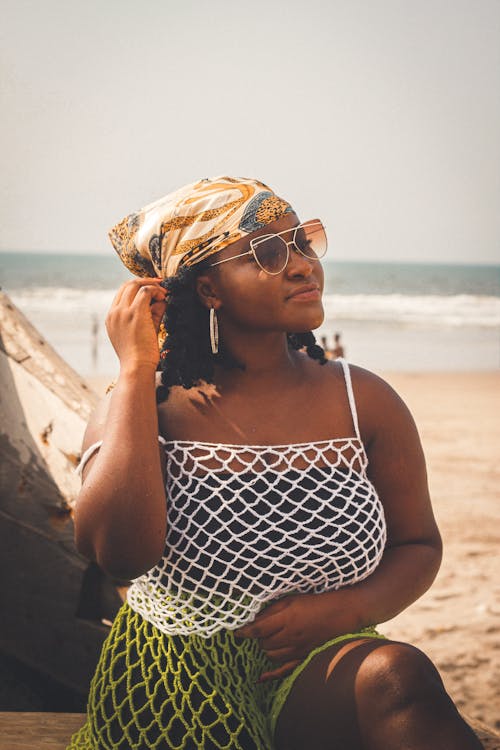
366, 689
322, 700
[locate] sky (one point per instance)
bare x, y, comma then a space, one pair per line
382, 117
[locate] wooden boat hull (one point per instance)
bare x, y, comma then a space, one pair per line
48, 622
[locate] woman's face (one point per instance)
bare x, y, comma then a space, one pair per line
249, 298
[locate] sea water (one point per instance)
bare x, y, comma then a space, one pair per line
391, 316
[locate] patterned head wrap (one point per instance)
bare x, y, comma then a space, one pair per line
194, 222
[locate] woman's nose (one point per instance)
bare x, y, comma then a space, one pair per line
298, 264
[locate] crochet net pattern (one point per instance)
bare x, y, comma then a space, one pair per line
157, 691
249, 524
160, 692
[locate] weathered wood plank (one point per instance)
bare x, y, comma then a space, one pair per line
44, 407
22, 343
31, 731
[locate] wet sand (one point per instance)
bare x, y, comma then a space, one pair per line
457, 623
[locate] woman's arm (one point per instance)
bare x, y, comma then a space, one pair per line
120, 514
396, 466
294, 625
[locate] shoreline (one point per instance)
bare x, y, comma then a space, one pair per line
457, 622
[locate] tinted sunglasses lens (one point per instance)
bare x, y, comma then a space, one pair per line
310, 238
271, 254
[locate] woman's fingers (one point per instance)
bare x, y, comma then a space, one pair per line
280, 671
128, 291
145, 299
261, 627
134, 319
275, 640
279, 655
146, 288
146, 296
151, 301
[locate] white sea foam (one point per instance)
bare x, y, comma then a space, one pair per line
418, 310
63, 300
429, 310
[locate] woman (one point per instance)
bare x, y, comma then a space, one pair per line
271, 510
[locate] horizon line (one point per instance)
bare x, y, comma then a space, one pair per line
338, 259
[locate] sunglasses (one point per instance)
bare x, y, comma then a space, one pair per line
272, 251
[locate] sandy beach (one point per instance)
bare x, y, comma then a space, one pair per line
457, 623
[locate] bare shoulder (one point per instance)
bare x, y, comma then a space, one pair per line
181, 406
95, 431
184, 408
379, 406
97, 421
368, 384
368, 387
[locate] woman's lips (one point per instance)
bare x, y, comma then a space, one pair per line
305, 293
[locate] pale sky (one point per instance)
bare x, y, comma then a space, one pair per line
382, 117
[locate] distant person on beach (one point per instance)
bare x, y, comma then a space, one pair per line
338, 349
336, 352
270, 507
325, 347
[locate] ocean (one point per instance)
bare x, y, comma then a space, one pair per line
391, 316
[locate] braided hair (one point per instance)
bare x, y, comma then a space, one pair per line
186, 356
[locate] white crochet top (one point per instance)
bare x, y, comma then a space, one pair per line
248, 524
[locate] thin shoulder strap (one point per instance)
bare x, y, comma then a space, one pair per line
95, 447
350, 394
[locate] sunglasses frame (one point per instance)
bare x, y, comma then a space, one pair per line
256, 241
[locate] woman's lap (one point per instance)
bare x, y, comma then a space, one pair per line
370, 693
157, 691
149, 689
321, 699
317, 655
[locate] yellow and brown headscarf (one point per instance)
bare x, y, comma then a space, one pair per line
194, 222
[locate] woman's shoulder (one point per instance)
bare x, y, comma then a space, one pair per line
184, 408
370, 387
365, 383
341, 387
379, 406
97, 420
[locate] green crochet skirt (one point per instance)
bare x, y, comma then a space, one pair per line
153, 690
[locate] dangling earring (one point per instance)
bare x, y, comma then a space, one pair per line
214, 331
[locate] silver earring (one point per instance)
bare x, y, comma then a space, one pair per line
214, 331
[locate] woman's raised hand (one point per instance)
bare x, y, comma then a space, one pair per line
133, 322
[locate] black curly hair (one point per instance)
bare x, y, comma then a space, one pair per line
186, 357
